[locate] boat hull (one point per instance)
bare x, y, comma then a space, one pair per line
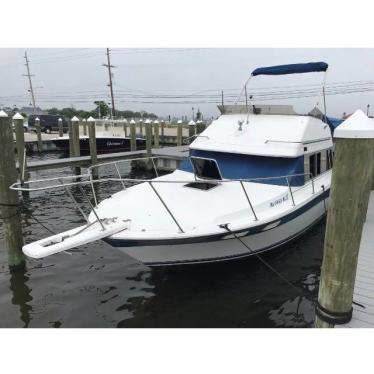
227, 247
103, 145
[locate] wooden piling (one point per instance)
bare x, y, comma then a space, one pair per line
20, 145
84, 124
38, 134
148, 137
141, 127
352, 177
156, 137
179, 132
200, 127
60, 128
9, 201
74, 141
132, 135
162, 132
191, 130
93, 148
74, 135
125, 127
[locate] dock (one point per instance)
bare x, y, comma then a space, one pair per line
169, 159
363, 294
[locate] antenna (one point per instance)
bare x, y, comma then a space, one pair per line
30, 83
109, 66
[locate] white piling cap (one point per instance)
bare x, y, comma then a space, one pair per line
148, 121
75, 119
125, 120
156, 121
90, 119
84, 120
180, 121
356, 126
3, 114
17, 116
132, 121
37, 119
192, 123
60, 119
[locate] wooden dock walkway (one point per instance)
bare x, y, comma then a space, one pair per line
169, 158
363, 316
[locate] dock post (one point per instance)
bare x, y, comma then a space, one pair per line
84, 123
74, 144
60, 128
141, 126
179, 132
148, 136
75, 148
191, 130
156, 129
125, 127
162, 132
9, 201
200, 127
20, 144
349, 196
93, 148
38, 134
132, 135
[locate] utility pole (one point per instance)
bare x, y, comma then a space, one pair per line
109, 66
30, 83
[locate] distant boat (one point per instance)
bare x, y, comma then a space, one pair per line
104, 144
110, 138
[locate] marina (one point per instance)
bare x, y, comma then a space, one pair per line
235, 191
186, 187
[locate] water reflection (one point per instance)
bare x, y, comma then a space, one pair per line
21, 295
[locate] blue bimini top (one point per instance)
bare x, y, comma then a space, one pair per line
309, 67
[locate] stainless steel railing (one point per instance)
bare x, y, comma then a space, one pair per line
87, 179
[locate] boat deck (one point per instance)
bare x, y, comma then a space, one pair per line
363, 316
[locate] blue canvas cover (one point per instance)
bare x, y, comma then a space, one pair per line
333, 123
309, 67
238, 166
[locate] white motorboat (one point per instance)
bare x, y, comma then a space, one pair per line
253, 181
110, 138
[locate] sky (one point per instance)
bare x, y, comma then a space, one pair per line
172, 81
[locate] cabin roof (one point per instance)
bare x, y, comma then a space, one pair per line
265, 135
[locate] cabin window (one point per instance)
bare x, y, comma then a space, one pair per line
205, 168
315, 164
318, 163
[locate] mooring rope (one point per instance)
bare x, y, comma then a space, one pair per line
276, 272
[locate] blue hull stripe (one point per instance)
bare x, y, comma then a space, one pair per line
234, 257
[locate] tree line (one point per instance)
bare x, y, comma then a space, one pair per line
102, 110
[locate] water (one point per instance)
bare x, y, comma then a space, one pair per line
98, 286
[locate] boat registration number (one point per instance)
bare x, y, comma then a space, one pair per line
278, 201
